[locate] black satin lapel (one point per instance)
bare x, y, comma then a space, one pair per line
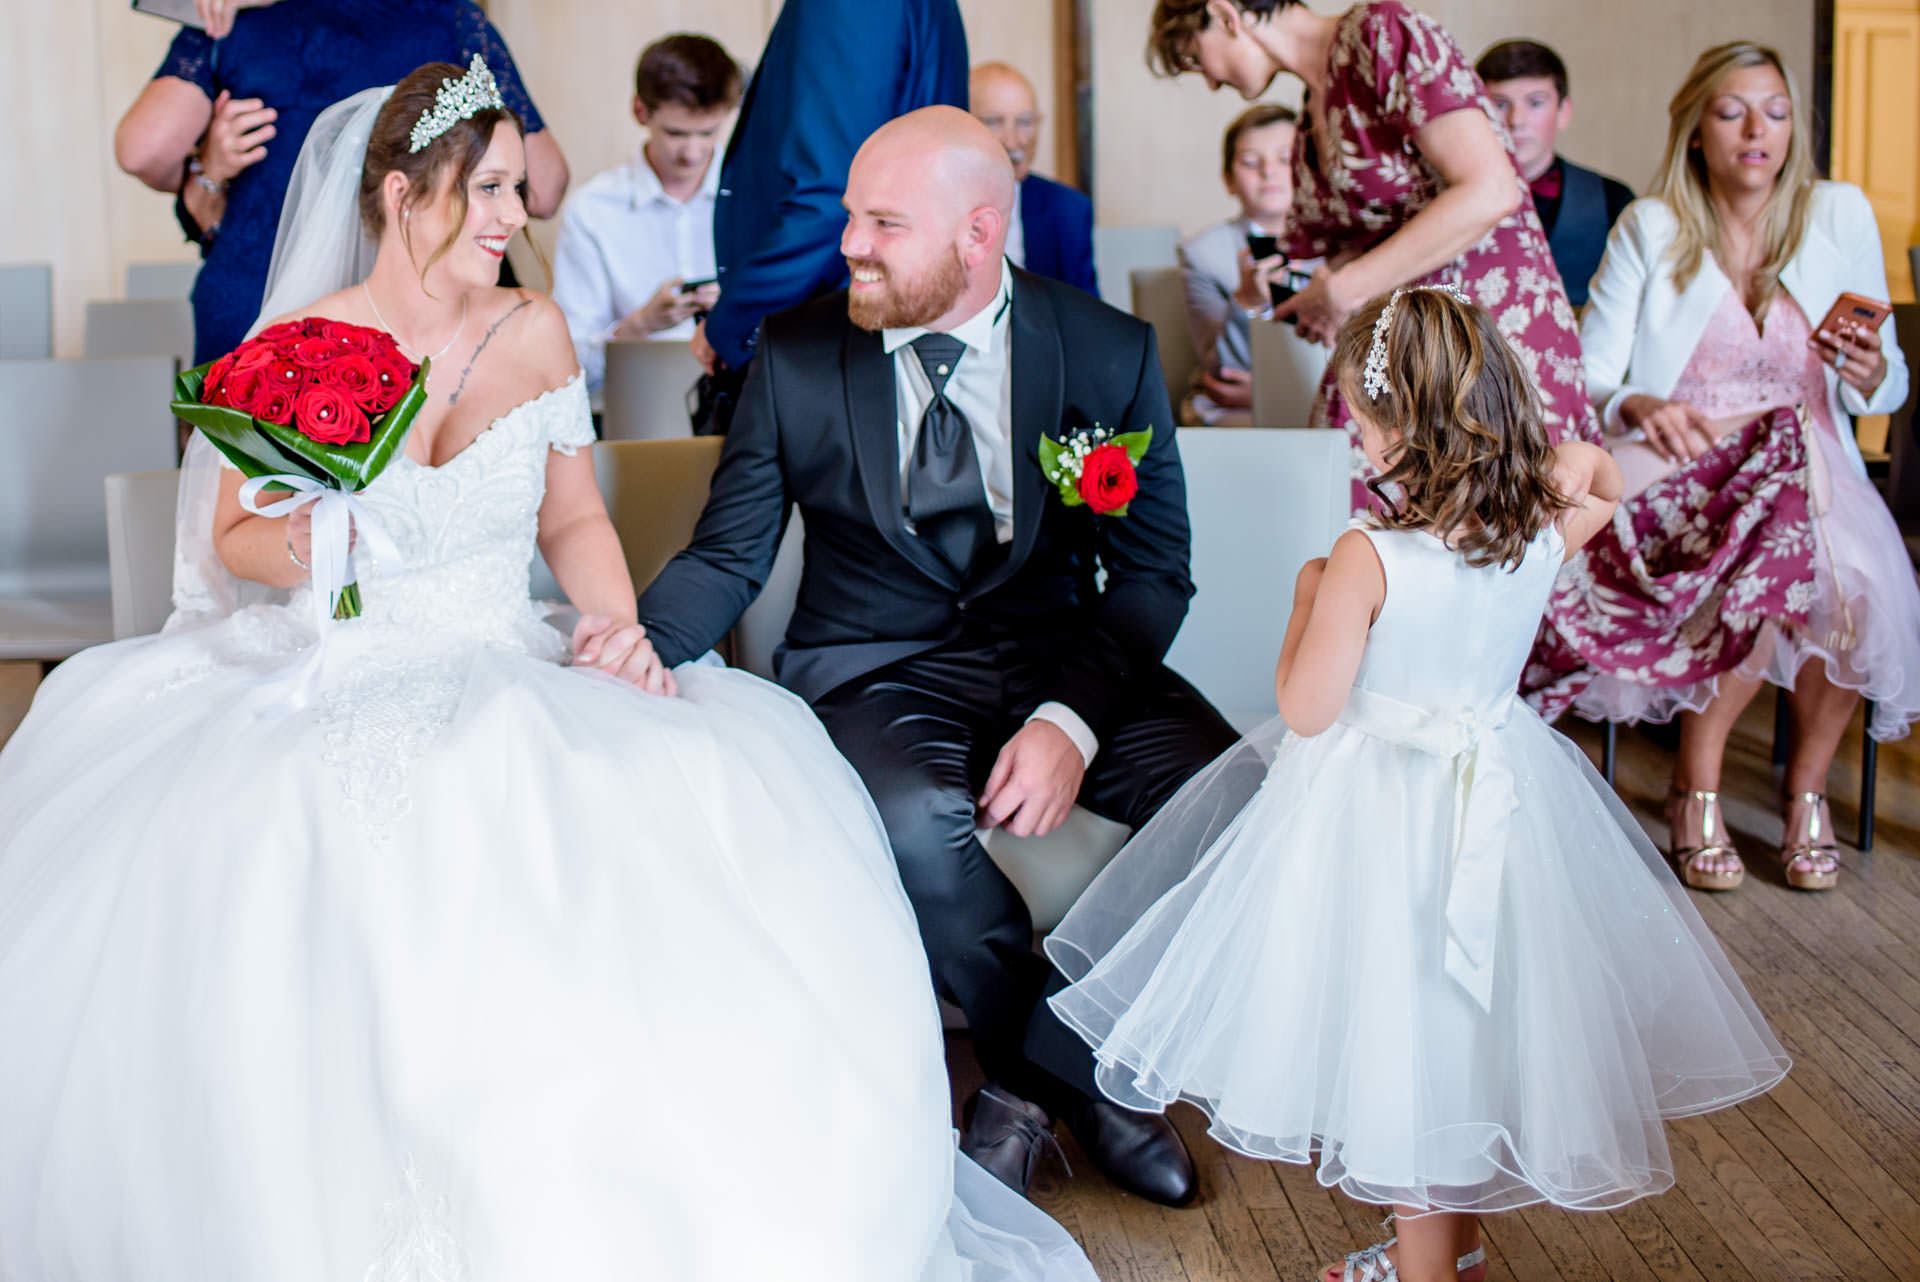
1038, 377
873, 412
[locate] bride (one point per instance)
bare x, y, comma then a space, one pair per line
478, 965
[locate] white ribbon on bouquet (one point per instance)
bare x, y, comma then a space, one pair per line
336, 515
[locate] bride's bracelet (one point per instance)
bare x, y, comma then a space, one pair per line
295, 556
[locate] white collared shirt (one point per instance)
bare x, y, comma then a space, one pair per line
622, 237
981, 388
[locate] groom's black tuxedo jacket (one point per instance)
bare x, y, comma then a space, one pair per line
816, 427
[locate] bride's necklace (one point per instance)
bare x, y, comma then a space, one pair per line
396, 337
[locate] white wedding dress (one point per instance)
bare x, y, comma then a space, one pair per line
478, 967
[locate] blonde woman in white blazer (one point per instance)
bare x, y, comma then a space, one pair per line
1760, 552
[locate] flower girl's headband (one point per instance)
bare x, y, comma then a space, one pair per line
455, 101
1374, 377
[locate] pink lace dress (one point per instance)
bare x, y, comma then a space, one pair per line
1391, 72
1767, 552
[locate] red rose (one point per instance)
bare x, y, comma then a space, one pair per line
282, 332
314, 352
216, 375
253, 355
242, 386
1107, 479
273, 405
326, 414
395, 374
287, 374
355, 375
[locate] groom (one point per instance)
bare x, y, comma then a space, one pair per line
952, 630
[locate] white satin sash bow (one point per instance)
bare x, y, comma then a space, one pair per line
1484, 799
337, 514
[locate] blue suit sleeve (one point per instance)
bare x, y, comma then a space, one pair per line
846, 55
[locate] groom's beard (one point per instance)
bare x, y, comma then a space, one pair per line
903, 304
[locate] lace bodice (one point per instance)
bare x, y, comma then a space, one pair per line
465, 530
1736, 371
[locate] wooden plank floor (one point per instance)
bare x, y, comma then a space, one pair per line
1818, 1179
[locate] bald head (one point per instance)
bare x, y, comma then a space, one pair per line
928, 199
1004, 101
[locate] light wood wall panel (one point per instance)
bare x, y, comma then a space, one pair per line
1876, 120
1156, 143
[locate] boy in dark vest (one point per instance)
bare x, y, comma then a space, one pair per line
1528, 83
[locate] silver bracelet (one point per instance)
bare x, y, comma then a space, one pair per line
200, 176
295, 556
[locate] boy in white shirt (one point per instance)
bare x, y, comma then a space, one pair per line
636, 237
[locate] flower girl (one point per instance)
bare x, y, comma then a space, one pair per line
1433, 950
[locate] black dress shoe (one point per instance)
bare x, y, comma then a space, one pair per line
1006, 1135
1140, 1152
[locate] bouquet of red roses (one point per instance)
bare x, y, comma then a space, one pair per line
315, 407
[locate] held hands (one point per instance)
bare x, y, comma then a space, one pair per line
1864, 365
1034, 782
1677, 432
237, 137
623, 650
1252, 294
668, 307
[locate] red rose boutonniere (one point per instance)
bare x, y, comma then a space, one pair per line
1096, 467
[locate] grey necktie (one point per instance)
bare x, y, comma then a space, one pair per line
946, 497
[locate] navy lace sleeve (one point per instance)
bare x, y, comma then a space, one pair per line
190, 58
477, 35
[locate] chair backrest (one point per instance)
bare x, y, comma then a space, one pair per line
1160, 299
1903, 442
26, 311
645, 395
1286, 375
68, 426
1119, 251
1261, 502
172, 279
140, 327
655, 491
140, 507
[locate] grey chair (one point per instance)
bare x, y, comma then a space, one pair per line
162, 279
1286, 375
1120, 251
645, 395
70, 425
26, 311
140, 327
140, 508
1160, 299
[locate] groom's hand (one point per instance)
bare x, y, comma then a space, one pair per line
1034, 781
623, 650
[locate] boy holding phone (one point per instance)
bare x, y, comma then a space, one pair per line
635, 254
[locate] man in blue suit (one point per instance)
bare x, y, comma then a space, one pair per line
1052, 230
833, 72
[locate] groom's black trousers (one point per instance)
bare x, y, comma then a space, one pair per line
923, 733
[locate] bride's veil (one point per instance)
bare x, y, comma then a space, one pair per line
320, 248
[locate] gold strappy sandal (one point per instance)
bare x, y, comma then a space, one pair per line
1689, 845
1811, 859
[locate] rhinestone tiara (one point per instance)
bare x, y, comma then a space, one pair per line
456, 100
1374, 375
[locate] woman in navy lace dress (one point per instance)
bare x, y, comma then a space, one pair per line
296, 58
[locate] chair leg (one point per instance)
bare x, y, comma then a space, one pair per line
1869, 761
1782, 727
1609, 745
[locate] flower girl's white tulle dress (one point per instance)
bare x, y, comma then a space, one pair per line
476, 968
1433, 950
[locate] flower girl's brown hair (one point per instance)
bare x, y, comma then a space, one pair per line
1469, 454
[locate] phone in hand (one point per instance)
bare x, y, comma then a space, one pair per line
688, 286
1867, 313
1289, 283
1261, 245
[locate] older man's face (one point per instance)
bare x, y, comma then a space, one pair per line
902, 243
1006, 105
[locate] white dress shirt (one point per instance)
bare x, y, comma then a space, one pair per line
981, 388
621, 238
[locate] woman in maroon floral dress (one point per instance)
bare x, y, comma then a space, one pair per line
1402, 177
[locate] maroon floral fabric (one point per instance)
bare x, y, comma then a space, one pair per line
1679, 589
1394, 70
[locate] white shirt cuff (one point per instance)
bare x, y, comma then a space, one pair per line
1069, 721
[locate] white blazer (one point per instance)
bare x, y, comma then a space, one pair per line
1638, 333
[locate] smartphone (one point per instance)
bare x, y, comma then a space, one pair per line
1865, 312
180, 11
1261, 245
687, 287
1291, 282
